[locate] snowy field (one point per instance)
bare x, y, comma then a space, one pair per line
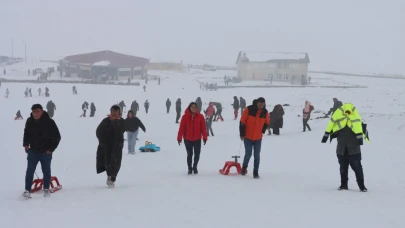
299, 175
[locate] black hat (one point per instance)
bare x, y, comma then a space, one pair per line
261, 100
36, 106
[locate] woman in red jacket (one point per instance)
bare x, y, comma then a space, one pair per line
192, 127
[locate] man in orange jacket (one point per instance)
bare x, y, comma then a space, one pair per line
253, 125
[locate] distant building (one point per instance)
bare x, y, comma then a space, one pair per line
288, 67
104, 65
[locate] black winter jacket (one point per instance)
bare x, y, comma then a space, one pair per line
41, 135
132, 124
178, 105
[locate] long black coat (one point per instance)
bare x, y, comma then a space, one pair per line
110, 134
276, 117
135, 106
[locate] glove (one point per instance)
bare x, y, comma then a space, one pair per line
325, 137
205, 141
179, 142
26, 148
360, 139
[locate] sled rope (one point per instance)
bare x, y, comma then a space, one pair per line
36, 175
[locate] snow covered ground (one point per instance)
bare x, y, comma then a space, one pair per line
299, 175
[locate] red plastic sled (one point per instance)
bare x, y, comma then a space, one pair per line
229, 164
38, 184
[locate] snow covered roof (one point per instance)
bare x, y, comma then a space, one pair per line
102, 63
107, 58
272, 56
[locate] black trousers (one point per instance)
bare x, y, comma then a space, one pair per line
177, 116
146, 109
355, 163
84, 113
305, 124
168, 108
193, 147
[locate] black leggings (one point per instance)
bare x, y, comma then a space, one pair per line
193, 147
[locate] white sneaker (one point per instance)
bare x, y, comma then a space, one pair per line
26, 195
47, 193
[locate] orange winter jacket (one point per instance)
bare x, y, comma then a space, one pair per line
254, 122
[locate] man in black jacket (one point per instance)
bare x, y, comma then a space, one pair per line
168, 104
242, 105
41, 138
135, 107
132, 124
336, 104
178, 110
110, 135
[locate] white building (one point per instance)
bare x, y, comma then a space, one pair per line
275, 66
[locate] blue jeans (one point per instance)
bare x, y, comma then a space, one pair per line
33, 158
132, 136
255, 146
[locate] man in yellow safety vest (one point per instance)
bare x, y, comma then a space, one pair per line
347, 126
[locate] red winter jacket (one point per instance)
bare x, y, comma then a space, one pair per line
192, 126
210, 110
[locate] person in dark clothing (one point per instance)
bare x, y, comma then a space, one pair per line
235, 106
146, 105
18, 116
199, 104
218, 113
92, 109
135, 107
276, 119
168, 104
110, 135
46, 89
336, 104
306, 115
192, 129
144, 88
132, 124
50, 107
159, 81
242, 105
85, 107
122, 105
30, 92
41, 138
178, 109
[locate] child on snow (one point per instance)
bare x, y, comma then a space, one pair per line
306, 115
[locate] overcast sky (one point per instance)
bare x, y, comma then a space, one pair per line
345, 35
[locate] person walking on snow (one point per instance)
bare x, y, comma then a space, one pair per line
26, 92
209, 115
199, 103
39, 91
144, 88
242, 105
168, 104
18, 116
132, 124
110, 135
7, 93
252, 126
122, 105
192, 128
218, 113
41, 138
50, 107
336, 104
178, 110
306, 115
235, 106
85, 107
29, 91
347, 126
135, 107
146, 105
92, 109
277, 120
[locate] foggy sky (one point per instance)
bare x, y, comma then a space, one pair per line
345, 35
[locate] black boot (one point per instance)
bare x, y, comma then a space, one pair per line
243, 171
195, 170
190, 171
256, 174
343, 186
361, 186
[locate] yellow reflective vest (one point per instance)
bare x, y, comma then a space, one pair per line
346, 115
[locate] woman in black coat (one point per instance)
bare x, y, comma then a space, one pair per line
276, 119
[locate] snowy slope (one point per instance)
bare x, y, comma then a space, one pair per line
299, 175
